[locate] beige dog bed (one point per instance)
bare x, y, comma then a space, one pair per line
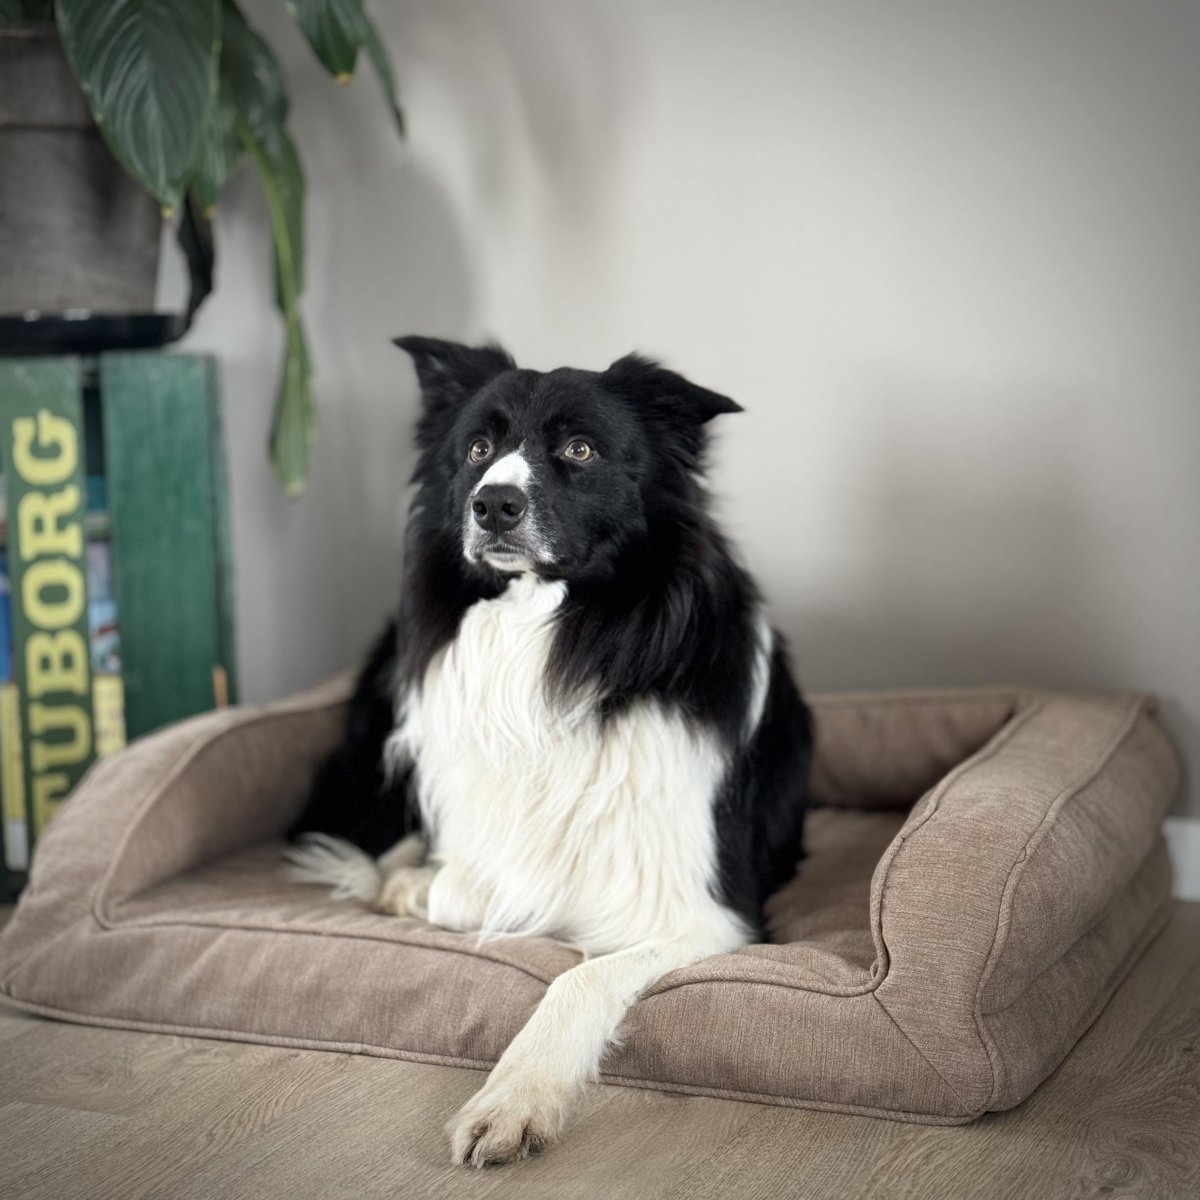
985, 868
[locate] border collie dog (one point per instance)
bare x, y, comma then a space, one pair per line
580, 725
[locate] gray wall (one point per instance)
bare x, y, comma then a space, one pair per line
947, 255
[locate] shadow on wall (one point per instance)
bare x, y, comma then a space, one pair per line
396, 245
385, 255
539, 92
406, 269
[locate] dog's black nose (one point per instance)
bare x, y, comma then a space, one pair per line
499, 507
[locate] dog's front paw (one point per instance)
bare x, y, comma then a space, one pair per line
504, 1122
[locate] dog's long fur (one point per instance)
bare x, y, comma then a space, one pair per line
581, 724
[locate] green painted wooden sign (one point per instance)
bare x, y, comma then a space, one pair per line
41, 422
149, 441
165, 467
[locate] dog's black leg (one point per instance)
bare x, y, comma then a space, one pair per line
351, 796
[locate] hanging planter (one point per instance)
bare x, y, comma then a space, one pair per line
76, 232
180, 92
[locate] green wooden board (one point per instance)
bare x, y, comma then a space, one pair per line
170, 545
41, 416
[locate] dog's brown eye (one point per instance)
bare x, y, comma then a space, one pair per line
480, 449
577, 450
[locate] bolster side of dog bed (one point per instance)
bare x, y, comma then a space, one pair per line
1022, 888
168, 802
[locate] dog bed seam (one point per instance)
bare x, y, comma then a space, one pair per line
406, 1055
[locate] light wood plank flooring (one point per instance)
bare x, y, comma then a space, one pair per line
105, 1113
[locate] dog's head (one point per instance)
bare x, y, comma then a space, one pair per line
556, 472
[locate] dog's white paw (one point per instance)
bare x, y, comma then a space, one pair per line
405, 892
504, 1122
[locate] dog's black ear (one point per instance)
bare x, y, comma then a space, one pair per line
449, 372
646, 383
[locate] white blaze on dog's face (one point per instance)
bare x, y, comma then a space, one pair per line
554, 472
499, 527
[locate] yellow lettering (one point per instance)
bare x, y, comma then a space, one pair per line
56, 662
48, 793
48, 718
38, 517
53, 573
52, 433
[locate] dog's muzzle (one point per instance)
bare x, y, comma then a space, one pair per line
501, 530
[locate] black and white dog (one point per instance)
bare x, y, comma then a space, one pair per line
581, 725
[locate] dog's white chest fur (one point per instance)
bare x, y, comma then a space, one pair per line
600, 835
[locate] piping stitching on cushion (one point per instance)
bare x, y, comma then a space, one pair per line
1019, 719
406, 1055
481, 953
1017, 870
119, 926
925, 1059
907, 698
1148, 934
1117, 900
700, 1089
786, 984
1026, 706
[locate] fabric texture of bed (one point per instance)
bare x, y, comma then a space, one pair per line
984, 867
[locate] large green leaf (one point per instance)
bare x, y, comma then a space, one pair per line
334, 29
383, 69
289, 183
149, 71
253, 84
294, 424
219, 153
251, 80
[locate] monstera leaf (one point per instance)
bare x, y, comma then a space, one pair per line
149, 71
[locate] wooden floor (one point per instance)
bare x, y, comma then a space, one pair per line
103, 1113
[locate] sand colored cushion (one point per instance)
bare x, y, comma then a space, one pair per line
987, 867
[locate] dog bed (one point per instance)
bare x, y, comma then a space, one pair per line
983, 869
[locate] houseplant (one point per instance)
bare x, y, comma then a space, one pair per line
184, 90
